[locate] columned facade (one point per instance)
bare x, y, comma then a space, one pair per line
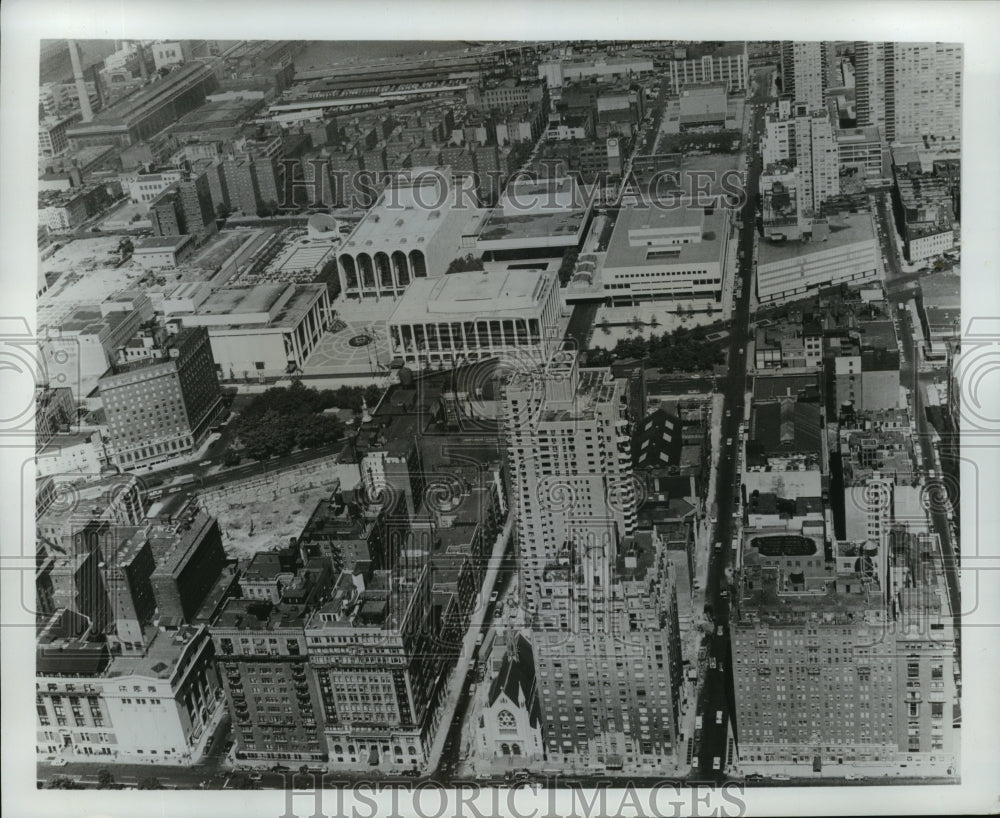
380, 275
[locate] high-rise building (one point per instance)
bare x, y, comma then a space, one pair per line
166, 213
566, 431
816, 156
195, 195
263, 662
605, 637
870, 83
161, 396
927, 90
910, 90
242, 186
804, 71
845, 656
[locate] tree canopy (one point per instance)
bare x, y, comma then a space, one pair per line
284, 418
681, 351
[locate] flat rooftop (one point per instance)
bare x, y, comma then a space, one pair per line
622, 253
531, 225
943, 290
159, 242
242, 300
406, 214
148, 98
844, 230
478, 293
160, 659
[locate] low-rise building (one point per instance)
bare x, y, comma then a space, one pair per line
163, 252
147, 707
837, 250
476, 315
262, 330
666, 254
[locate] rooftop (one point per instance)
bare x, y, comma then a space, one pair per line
561, 223
481, 294
134, 106
628, 247
844, 230
158, 242
785, 426
161, 658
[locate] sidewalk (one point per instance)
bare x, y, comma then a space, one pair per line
457, 681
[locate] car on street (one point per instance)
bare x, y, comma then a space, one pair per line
58, 762
412, 773
718, 546
729, 441
718, 717
494, 596
852, 776
256, 776
719, 631
711, 663
716, 763
697, 722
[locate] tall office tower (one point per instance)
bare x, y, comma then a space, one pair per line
605, 620
804, 71
567, 441
910, 90
816, 156
869, 84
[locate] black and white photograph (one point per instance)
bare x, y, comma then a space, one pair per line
439, 420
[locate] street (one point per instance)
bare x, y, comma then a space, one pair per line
715, 695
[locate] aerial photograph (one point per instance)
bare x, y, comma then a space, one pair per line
511, 413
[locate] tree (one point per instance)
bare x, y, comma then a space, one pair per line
222, 211
315, 430
464, 264
568, 265
105, 780
150, 782
61, 782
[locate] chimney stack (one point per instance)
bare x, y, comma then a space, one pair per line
81, 83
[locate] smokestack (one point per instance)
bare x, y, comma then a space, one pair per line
143, 70
81, 83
